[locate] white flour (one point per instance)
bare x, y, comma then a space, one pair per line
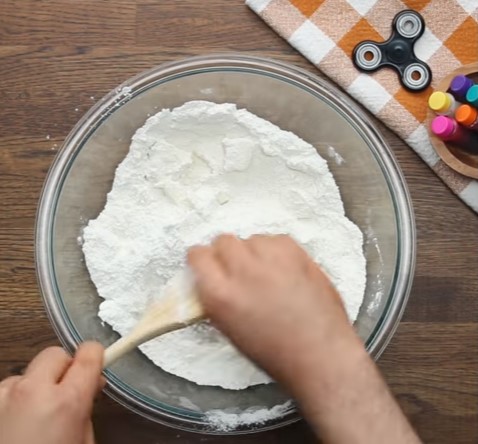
192, 173
226, 421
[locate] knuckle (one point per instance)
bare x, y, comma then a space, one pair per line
68, 400
259, 242
9, 381
226, 237
86, 361
257, 238
225, 240
22, 390
56, 351
289, 243
213, 295
56, 354
196, 252
218, 299
89, 355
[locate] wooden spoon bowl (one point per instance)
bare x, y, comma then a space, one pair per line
456, 158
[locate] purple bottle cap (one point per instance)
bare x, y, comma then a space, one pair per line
460, 85
443, 126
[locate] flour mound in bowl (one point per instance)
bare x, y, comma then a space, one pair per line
192, 173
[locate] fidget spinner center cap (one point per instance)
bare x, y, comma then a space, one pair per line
398, 52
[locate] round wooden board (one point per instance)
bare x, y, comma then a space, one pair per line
456, 158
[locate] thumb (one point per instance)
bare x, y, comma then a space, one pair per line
84, 373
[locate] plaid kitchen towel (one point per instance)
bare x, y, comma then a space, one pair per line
326, 31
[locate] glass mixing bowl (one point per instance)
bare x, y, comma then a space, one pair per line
370, 182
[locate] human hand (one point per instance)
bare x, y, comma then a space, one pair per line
272, 301
52, 402
282, 311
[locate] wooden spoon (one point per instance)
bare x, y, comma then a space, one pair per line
177, 308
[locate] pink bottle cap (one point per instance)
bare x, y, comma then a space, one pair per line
443, 126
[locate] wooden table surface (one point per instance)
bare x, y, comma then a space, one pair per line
57, 55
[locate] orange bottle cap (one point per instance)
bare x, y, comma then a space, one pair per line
466, 114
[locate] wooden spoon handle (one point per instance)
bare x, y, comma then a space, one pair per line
138, 336
145, 331
178, 308
118, 349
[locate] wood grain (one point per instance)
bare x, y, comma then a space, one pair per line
58, 56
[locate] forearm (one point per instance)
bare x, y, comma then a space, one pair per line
345, 399
282, 311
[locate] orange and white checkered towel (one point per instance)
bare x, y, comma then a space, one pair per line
326, 31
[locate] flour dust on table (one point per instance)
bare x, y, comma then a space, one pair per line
192, 173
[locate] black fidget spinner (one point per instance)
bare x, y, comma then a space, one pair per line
397, 52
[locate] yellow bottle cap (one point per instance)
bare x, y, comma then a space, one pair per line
439, 102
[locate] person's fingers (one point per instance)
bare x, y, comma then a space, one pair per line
233, 254
8, 382
279, 249
85, 370
6, 385
49, 365
286, 243
208, 271
205, 265
101, 384
260, 245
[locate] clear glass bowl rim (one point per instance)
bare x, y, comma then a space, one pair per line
73, 144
